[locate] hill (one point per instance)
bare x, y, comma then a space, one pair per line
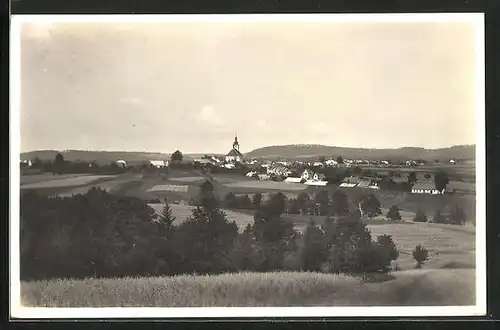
314, 150
103, 157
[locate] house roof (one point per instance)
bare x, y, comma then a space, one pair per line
291, 179
234, 153
348, 185
424, 186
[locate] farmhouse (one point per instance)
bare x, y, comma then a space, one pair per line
307, 174
294, 180
331, 162
234, 155
121, 163
158, 163
318, 177
316, 183
426, 188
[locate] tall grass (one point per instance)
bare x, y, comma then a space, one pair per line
278, 289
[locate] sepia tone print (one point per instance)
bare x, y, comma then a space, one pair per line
248, 163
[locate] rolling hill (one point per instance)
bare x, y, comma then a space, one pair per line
466, 152
303, 151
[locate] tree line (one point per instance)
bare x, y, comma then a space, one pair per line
98, 234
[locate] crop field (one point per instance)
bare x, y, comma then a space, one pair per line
36, 178
279, 289
267, 185
73, 181
187, 179
449, 246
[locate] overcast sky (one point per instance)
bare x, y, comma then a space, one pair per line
192, 86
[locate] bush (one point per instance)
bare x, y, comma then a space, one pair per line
420, 216
371, 206
439, 218
393, 213
314, 250
458, 216
421, 255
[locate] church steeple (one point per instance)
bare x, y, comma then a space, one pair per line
236, 145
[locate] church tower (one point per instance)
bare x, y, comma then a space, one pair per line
236, 145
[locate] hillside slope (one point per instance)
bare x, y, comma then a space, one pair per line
307, 150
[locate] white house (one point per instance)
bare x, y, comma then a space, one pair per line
264, 177
318, 177
316, 183
318, 164
331, 162
230, 166
121, 163
293, 180
307, 174
158, 163
348, 185
452, 161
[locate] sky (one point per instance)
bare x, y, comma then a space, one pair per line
162, 86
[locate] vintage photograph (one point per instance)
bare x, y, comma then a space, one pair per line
300, 165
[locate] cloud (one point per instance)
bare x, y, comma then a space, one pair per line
208, 115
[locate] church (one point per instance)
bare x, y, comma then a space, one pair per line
234, 155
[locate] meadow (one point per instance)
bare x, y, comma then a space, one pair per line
278, 289
267, 185
66, 181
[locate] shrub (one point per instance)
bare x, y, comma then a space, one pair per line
393, 213
314, 250
457, 215
438, 217
421, 255
420, 216
371, 206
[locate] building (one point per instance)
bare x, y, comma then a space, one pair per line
316, 183
426, 188
234, 155
121, 163
158, 163
318, 177
278, 169
307, 174
294, 180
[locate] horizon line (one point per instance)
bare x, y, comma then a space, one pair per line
270, 146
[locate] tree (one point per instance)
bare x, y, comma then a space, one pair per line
357, 171
412, 178
438, 217
257, 200
314, 251
421, 255
276, 204
245, 203
37, 163
205, 240
458, 216
370, 206
420, 216
427, 176
321, 198
322, 159
166, 219
441, 180
176, 157
231, 201
58, 165
302, 202
340, 160
393, 213
340, 204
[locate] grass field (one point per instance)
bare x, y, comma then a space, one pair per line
267, 185
36, 178
187, 179
182, 212
280, 289
71, 181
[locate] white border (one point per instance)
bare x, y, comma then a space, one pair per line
17, 311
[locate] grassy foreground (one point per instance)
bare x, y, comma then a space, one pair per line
279, 289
